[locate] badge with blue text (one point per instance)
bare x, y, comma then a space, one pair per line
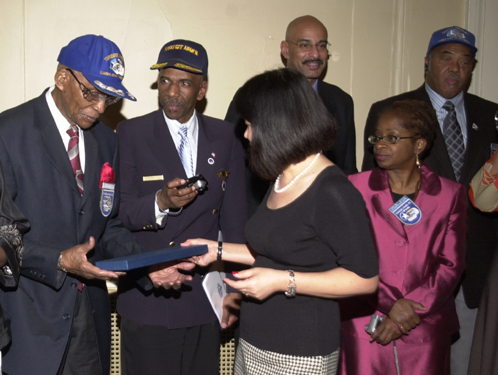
106, 198
406, 211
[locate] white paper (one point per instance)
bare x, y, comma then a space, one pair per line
216, 291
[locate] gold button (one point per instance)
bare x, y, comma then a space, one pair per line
215, 211
172, 244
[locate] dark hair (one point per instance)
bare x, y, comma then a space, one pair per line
416, 116
288, 120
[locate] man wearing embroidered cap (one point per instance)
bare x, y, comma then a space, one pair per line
176, 331
56, 156
461, 147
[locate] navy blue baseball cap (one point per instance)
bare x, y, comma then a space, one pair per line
100, 61
184, 55
453, 34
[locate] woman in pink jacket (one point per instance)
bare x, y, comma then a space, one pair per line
418, 221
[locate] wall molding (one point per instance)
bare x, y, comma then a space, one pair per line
398, 47
476, 23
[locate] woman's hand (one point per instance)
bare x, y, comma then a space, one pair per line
204, 259
259, 283
385, 332
404, 315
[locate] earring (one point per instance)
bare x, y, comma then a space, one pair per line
417, 161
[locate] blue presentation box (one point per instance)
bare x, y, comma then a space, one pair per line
150, 258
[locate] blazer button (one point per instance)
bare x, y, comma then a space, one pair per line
81, 212
172, 244
400, 243
215, 211
74, 285
400, 273
66, 316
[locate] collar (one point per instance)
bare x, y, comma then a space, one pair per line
175, 125
438, 101
315, 86
429, 181
60, 120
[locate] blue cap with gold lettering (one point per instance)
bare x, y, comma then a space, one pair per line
453, 34
100, 61
184, 55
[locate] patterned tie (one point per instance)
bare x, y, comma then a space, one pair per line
454, 139
74, 155
185, 152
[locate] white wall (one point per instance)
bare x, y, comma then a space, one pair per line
377, 49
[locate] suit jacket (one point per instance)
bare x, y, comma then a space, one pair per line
481, 132
40, 178
343, 152
421, 262
149, 150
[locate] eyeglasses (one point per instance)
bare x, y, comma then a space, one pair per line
94, 96
388, 139
307, 46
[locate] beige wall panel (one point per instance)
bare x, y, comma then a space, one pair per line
391, 39
11, 53
377, 45
485, 78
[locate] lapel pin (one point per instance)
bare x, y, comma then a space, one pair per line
475, 127
223, 175
211, 160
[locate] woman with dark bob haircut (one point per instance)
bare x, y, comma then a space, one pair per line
418, 221
308, 242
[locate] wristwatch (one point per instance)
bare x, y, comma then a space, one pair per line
291, 287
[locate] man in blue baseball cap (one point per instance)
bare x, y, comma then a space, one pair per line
61, 168
176, 332
462, 145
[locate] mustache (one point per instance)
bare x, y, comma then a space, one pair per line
172, 100
320, 61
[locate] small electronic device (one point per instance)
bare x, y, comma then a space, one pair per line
199, 182
375, 321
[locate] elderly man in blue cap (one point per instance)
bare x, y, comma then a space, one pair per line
462, 145
175, 331
61, 168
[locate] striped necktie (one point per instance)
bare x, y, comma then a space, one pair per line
185, 152
454, 139
74, 155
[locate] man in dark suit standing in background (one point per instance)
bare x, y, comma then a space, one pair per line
61, 169
305, 49
461, 147
176, 331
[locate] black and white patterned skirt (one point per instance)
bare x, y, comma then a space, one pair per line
250, 360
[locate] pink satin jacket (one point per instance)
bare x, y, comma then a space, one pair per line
421, 262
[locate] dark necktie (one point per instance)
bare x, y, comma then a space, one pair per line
454, 139
74, 155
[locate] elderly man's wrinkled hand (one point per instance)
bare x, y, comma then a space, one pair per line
168, 275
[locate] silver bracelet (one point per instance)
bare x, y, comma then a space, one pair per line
60, 266
291, 287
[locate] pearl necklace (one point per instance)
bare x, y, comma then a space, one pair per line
277, 181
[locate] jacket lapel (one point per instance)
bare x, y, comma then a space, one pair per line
53, 147
163, 147
382, 200
91, 168
206, 146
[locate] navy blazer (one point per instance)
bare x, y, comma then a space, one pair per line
147, 149
481, 132
41, 181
